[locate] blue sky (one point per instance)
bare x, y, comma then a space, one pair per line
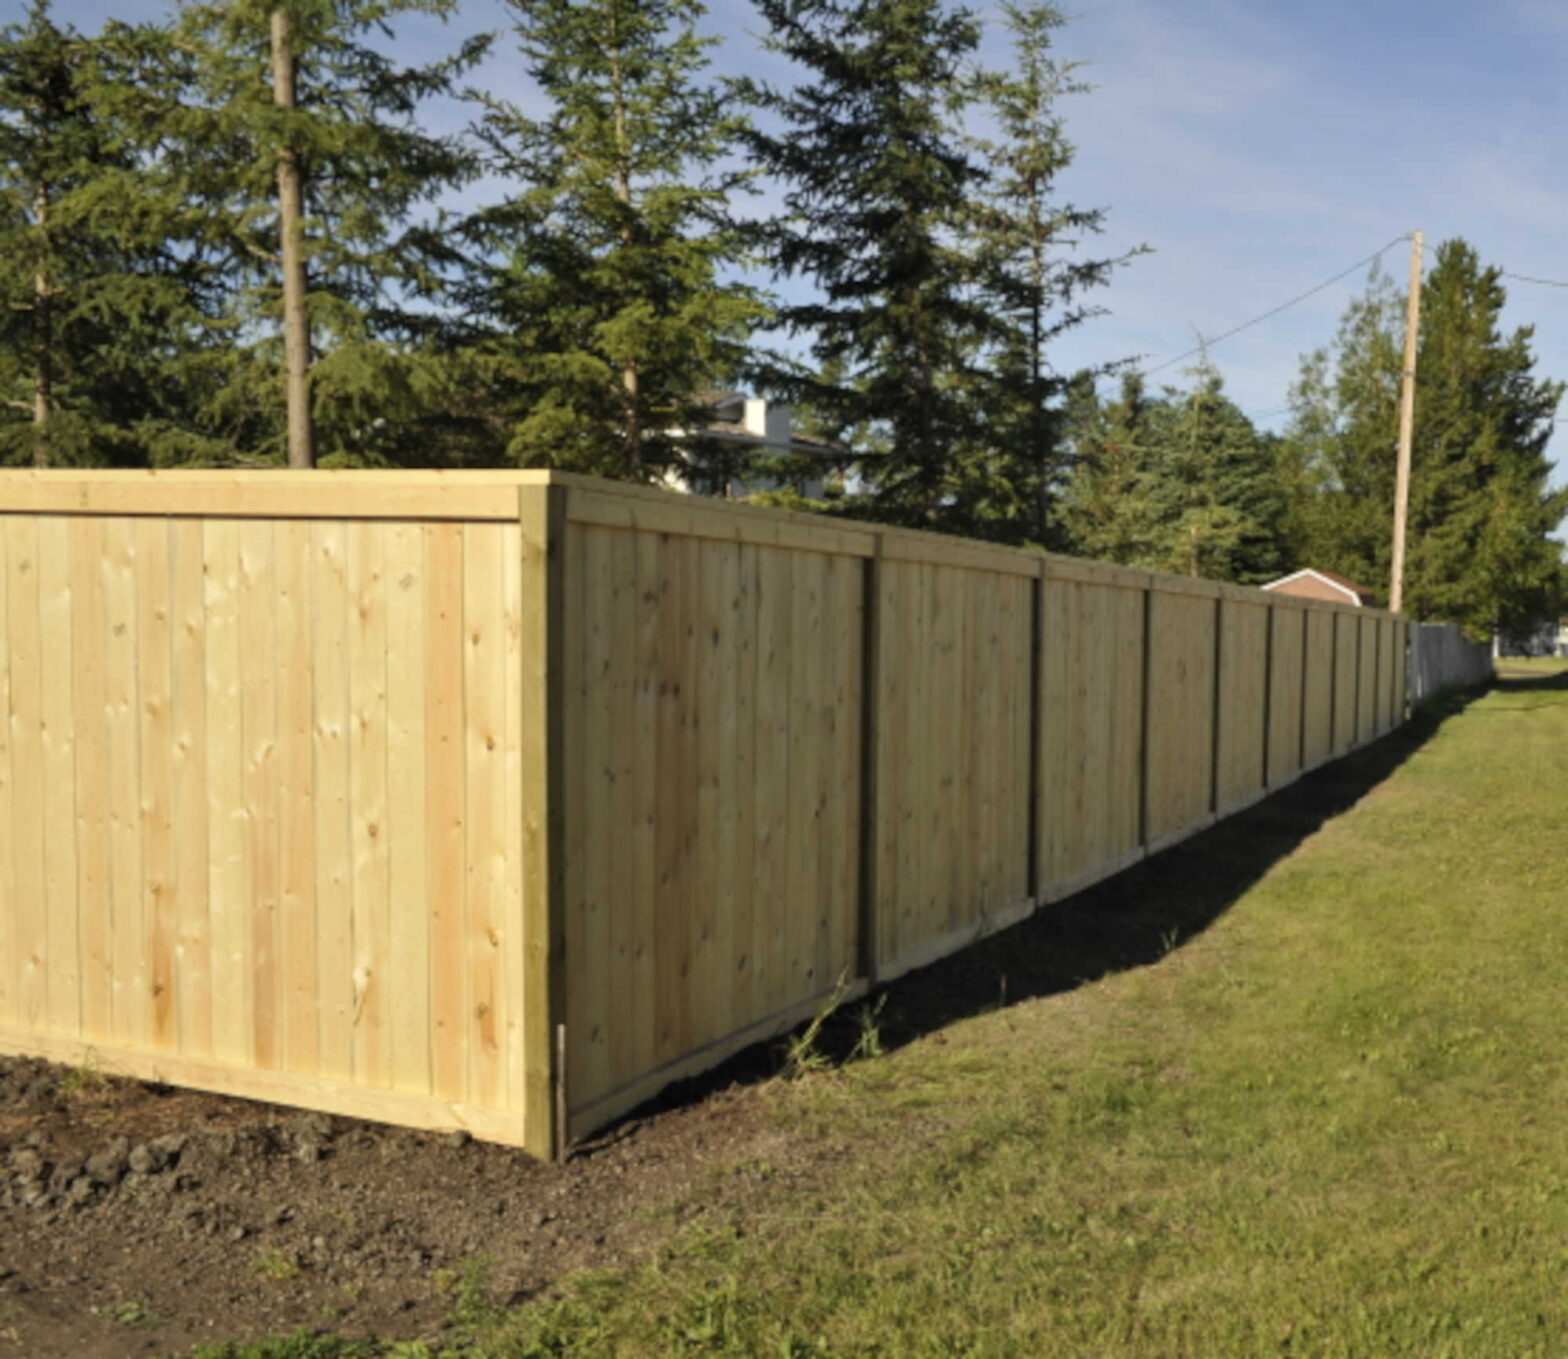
1258, 149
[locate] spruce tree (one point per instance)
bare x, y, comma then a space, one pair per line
293, 99
1480, 508
1104, 510
1478, 550
879, 182
105, 335
1026, 240
608, 304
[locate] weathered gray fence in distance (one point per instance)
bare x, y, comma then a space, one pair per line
1442, 658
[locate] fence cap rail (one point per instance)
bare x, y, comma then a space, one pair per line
339, 493
490, 495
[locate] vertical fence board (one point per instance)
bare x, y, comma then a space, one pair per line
367, 762
84, 648
1320, 678
27, 764
446, 808
1347, 671
60, 858
1181, 713
1243, 703
619, 696
1287, 673
333, 833
408, 947
1091, 658
1366, 679
228, 871
9, 900
193, 945
296, 783
155, 684
259, 733
487, 835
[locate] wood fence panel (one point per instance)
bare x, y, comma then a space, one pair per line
953, 785
358, 791
1287, 691
712, 731
1347, 672
1242, 709
228, 788
1091, 731
1366, 680
1318, 682
1181, 677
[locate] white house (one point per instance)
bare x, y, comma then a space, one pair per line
755, 427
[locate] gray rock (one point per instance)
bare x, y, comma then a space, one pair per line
27, 1163
109, 1165
146, 1160
459, 1137
81, 1189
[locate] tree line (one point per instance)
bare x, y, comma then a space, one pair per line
229, 238
1181, 480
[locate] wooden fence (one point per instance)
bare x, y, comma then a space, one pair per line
1443, 658
499, 801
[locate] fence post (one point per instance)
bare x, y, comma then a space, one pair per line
542, 520
1033, 885
1214, 704
1143, 716
868, 946
1268, 688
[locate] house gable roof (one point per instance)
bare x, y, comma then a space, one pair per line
1330, 578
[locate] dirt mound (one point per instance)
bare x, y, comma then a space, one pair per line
139, 1219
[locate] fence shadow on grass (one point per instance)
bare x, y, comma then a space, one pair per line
1131, 920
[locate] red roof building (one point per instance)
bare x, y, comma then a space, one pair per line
1309, 583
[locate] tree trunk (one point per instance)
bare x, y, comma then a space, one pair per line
296, 325
631, 407
43, 339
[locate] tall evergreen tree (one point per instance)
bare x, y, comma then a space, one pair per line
1104, 511
293, 99
1181, 483
879, 182
609, 305
1478, 550
105, 340
1026, 239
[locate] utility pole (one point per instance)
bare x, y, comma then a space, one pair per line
291, 212
1407, 412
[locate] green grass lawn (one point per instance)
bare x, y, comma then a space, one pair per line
1321, 1108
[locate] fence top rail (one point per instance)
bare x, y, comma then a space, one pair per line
263, 493
491, 495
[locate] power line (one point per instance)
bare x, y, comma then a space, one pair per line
1283, 306
1526, 278
1504, 273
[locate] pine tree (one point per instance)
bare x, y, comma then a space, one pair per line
1339, 448
1477, 549
1480, 509
104, 320
1025, 240
1104, 512
879, 182
1213, 487
1182, 482
293, 99
607, 307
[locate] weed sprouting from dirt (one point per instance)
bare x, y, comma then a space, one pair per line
277, 1265
802, 1055
868, 1021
